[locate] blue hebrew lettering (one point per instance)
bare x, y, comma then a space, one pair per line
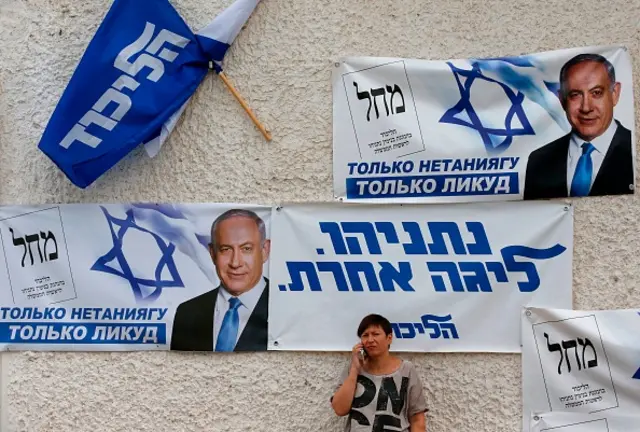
295, 272
478, 280
333, 229
451, 270
402, 276
439, 246
410, 334
417, 245
438, 326
338, 274
509, 254
481, 245
370, 237
389, 231
354, 269
497, 268
449, 331
441, 326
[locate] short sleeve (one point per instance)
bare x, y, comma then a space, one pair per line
343, 376
417, 401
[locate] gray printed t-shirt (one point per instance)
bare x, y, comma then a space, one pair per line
385, 402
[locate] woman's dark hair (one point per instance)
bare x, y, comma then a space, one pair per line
374, 320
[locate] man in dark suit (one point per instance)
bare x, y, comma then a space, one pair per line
232, 317
596, 157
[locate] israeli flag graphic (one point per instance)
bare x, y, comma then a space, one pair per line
132, 83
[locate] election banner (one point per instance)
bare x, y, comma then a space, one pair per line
543, 125
132, 84
582, 422
449, 278
120, 277
580, 362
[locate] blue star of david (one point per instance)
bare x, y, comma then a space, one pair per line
494, 140
119, 228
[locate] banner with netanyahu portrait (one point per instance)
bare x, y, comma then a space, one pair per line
449, 278
242, 277
581, 362
120, 277
544, 125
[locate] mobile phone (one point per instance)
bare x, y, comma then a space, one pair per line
363, 354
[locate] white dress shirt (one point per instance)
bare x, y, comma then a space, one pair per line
601, 144
249, 301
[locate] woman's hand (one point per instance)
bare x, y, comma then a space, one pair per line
343, 397
356, 360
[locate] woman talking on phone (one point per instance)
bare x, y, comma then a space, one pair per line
379, 391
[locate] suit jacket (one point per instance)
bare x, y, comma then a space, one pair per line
193, 324
547, 168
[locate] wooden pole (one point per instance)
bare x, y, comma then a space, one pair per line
235, 93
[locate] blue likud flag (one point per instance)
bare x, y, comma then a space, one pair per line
139, 70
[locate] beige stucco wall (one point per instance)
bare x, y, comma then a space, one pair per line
282, 64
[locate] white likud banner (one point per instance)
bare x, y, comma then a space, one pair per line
124, 277
542, 125
604, 421
449, 278
581, 362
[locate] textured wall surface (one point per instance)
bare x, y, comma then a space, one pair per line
281, 63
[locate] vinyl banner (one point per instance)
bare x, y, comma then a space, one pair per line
134, 277
580, 361
544, 125
451, 278
581, 422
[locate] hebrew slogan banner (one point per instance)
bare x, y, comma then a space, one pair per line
582, 422
225, 277
134, 277
580, 362
544, 125
449, 278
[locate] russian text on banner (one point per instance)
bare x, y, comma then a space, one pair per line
543, 125
450, 278
125, 277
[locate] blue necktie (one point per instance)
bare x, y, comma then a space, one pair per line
581, 183
229, 330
